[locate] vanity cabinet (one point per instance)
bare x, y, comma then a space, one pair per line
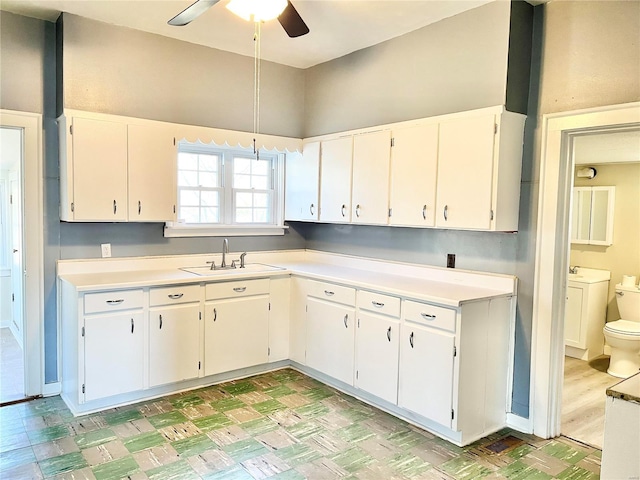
330, 330
335, 179
377, 345
302, 184
236, 331
414, 161
111, 354
174, 334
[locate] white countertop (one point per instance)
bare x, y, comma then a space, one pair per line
440, 292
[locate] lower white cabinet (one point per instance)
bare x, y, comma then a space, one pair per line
236, 331
113, 354
585, 317
330, 330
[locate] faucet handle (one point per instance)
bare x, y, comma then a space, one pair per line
213, 264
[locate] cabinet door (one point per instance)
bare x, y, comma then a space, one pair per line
330, 339
574, 334
99, 170
335, 180
113, 355
377, 345
465, 173
426, 372
370, 199
236, 333
152, 174
173, 344
301, 184
414, 159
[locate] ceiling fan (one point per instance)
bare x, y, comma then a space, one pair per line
289, 18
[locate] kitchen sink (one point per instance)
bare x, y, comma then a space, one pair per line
206, 271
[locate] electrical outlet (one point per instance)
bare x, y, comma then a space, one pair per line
106, 250
451, 260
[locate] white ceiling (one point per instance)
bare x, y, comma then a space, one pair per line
337, 27
608, 147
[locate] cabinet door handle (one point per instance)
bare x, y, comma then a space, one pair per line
139, 207
239, 289
424, 212
358, 211
389, 334
344, 207
160, 322
115, 207
115, 302
175, 296
329, 293
446, 213
346, 317
411, 339
311, 207
133, 325
428, 316
377, 304
215, 314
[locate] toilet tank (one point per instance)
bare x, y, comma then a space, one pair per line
628, 300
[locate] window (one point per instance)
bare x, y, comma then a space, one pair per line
228, 187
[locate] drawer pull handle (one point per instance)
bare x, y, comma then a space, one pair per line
346, 317
215, 314
133, 325
389, 334
411, 339
115, 302
329, 293
175, 296
428, 316
239, 289
377, 304
160, 322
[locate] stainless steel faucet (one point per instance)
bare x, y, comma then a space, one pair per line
225, 251
574, 269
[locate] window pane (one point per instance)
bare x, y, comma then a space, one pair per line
242, 165
261, 167
241, 181
209, 180
187, 161
210, 215
261, 200
260, 215
189, 198
259, 183
189, 214
209, 163
243, 215
244, 200
209, 199
188, 179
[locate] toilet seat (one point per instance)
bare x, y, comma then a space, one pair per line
623, 327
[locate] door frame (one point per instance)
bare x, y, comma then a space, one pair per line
33, 252
552, 252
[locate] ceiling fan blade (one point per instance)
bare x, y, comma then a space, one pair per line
292, 22
192, 12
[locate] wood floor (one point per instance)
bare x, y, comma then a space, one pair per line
583, 399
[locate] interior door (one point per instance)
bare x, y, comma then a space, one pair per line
17, 269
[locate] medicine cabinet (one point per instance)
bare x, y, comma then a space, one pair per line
592, 216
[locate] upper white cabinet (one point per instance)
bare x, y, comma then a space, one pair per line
370, 194
479, 167
302, 184
93, 171
414, 162
335, 180
152, 155
592, 215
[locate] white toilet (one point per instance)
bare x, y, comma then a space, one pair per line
623, 336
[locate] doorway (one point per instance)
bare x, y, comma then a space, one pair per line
12, 384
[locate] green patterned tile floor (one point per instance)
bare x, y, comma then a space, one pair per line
279, 425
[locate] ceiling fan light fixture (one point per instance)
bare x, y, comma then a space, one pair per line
257, 10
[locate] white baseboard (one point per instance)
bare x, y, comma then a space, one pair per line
51, 389
520, 424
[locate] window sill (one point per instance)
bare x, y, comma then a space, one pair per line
173, 230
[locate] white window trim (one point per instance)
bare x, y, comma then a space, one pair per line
182, 230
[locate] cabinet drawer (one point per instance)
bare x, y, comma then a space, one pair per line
113, 301
241, 288
174, 295
430, 315
332, 292
379, 303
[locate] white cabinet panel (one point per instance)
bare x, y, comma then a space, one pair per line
414, 161
335, 180
99, 170
174, 344
152, 173
573, 318
279, 297
377, 344
302, 184
113, 354
330, 339
370, 198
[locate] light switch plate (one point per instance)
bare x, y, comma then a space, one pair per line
106, 250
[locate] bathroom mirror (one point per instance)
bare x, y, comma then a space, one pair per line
592, 215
